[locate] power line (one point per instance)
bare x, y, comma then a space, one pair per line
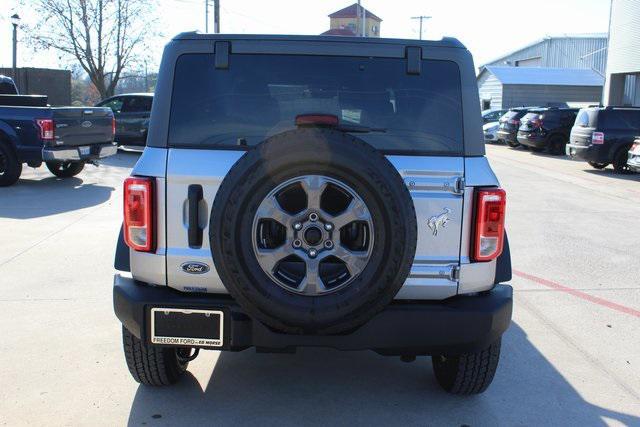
421, 18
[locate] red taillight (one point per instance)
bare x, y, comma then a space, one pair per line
113, 126
316, 120
47, 129
597, 138
514, 122
138, 214
489, 226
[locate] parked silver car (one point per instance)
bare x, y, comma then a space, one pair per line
490, 131
634, 156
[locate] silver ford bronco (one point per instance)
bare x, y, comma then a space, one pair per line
314, 191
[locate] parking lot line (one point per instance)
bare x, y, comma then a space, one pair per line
576, 293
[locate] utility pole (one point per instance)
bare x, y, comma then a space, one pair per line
361, 19
206, 16
216, 16
421, 17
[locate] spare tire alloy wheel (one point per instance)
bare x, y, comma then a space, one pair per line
319, 249
313, 231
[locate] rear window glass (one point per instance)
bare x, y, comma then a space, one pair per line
619, 119
529, 116
585, 119
260, 95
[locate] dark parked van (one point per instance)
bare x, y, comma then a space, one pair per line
547, 128
509, 124
604, 135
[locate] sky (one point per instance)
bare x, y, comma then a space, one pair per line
489, 28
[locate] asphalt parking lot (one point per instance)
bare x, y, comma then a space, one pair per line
571, 356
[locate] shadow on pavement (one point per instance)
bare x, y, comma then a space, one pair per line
322, 386
34, 198
610, 173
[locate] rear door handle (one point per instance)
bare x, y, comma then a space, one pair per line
194, 230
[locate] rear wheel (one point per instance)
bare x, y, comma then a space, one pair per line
154, 365
620, 161
469, 373
65, 169
557, 145
10, 166
596, 165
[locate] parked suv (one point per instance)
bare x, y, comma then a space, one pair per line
132, 111
314, 191
547, 128
604, 135
509, 124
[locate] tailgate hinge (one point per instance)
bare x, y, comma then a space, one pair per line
459, 185
454, 275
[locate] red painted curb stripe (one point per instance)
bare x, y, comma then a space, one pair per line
577, 293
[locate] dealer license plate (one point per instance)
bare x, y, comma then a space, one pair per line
186, 327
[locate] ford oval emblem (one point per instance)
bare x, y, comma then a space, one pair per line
195, 267
86, 124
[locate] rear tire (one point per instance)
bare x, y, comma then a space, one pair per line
10, 166
596, 165
469, 373
513, 144
65, 169
620, 161
153, 365
557, 145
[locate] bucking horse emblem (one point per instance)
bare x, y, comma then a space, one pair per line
439, 221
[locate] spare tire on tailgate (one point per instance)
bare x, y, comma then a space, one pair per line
313, 231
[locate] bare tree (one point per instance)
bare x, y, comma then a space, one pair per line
105, 36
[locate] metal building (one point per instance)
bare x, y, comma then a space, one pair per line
569, 51
623, 64
570, 61
505, 86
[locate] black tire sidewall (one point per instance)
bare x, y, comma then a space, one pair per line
73, 170
13, 167
295, 154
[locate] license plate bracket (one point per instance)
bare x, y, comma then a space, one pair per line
187, 327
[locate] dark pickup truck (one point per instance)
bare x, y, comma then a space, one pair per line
64, 138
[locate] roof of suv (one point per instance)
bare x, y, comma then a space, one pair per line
445, 42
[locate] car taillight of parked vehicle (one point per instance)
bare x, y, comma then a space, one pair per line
47, 129
489, 223
113, 126
138, 213
515, 122
597, 138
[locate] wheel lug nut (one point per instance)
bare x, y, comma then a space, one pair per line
328, 226
313, 253
328, 244
297, 243
297, 226
313, 217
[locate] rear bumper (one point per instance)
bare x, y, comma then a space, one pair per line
66, 154
531, 140
507, 136
590, 153
456, 325
634, 162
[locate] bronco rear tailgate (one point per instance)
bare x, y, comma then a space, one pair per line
76, 126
